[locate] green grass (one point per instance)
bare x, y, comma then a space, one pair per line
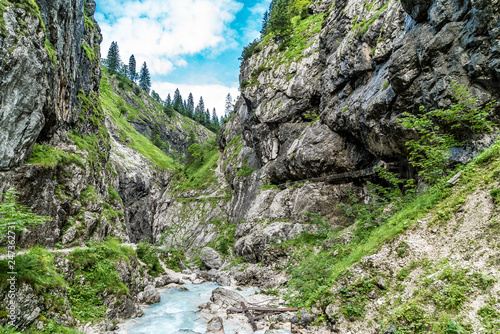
50, 157
362, 27
139, 143
199, 175
35, 268
30, 6
225, 240
51, 327
441, 200
90, 53
50, 50
148, 255
89, 24
96, 265
245, 171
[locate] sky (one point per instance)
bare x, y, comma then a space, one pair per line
193, 45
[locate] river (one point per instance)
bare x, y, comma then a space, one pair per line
178, 313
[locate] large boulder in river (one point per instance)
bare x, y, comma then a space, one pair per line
166, 279
149, 296
215, 326
221, 296
210, 258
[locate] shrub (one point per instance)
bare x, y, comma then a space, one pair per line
35, 268
16, 215
148, 255
430, 153
250, 49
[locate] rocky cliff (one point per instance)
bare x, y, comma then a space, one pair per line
329, 102
314, 116
56, 119
50, 55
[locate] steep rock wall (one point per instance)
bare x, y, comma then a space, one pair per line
333, 106
44, 67
50, 95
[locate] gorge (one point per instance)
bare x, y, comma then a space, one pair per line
303, 192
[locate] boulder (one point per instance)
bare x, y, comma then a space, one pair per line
215, 326
303, 319
252, 247
210, 258
166, 279
221, 296
149, 296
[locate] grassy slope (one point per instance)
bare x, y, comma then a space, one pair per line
316, 272
96, 264
138, 142
198, 175
115, 103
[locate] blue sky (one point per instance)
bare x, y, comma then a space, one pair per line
192, 45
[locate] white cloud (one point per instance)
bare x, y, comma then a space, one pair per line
160, 32
214, 96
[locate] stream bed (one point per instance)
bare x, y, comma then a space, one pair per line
177, 313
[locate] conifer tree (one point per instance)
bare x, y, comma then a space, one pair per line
199, 114
190, 106
114, 60
215, 120
156, 136
229, 105
145, 78
168, 101
123, 70
265, 24
191, 141
279, 19
156, 96
132, 69
206, 118
177, 102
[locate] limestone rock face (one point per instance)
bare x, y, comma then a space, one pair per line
23, 88
335, 108
253, 246
210, 258
44, 68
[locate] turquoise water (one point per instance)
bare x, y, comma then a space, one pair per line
176, 313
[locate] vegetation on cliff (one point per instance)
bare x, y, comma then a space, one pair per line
326, 259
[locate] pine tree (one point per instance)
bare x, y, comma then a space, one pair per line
123, 70
113, 60
206, 118
132, 69
145, 78
156, 136
229, 105
265, 24
190, 106
191, 141
215, 121
177, 102
199, 114
168, 101
156, 96
279, 20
